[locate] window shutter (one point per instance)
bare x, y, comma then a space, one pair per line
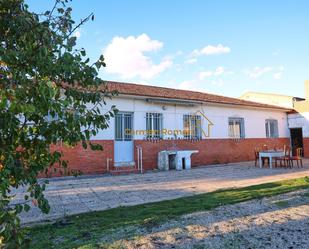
276, 128
242, 129
198, 127
231, 127
186, 126
267, 128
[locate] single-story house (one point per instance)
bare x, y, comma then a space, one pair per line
153, 119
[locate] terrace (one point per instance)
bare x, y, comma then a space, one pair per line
69, 195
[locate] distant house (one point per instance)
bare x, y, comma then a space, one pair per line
271, 99
298, 118
152, 119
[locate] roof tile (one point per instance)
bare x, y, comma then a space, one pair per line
169, 93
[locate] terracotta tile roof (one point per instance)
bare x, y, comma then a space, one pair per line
169, 93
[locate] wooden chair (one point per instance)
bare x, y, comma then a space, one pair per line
257, 157
298, 158
279, 158
285, 158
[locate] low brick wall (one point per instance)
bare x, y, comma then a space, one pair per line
87, 161
211, 151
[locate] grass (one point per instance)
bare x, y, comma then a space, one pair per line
282, 204
86, 230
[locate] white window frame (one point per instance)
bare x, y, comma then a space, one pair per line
154, 125
192, 126
126, 122
268, 131
233, 132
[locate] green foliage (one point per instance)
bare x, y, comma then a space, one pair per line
48, 93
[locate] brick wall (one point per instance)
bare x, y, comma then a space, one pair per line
87, 161
211, 151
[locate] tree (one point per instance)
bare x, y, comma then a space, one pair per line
46, 88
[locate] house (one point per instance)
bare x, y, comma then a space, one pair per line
271, 99
152, 119
298, 118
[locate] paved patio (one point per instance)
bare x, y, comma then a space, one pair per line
69, 195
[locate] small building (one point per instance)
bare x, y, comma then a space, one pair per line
298, 118
153, 119
271, 99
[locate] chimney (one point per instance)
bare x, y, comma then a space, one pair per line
307, 90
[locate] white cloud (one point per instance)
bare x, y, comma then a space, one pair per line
203, 75
278, 75
191, 61
207, 50
210, 50
218, 71
218, 83
77, 34
257, 72
178, 68
276, 53
126, 57
218, 49
186, 85
179, 52
190, 85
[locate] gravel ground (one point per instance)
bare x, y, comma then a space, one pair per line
277, 222
69, 195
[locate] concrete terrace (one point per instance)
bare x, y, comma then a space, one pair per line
69, 195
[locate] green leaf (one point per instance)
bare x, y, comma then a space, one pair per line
38, 58
83, 52
26, 207
84, 144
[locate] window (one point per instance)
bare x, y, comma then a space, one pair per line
123, 126
236, 128
192, 125
271, 127
154, 125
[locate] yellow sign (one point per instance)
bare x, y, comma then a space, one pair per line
176, 132
210, 124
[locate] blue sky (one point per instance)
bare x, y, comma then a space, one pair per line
223, 47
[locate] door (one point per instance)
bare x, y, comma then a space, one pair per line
296, 139
123, 138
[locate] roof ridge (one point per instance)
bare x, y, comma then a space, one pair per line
170, 88
141, 90
269, 93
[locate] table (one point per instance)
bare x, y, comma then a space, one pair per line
270, 154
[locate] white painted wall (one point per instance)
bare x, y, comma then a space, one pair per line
299, 120
267, 98
173, 118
